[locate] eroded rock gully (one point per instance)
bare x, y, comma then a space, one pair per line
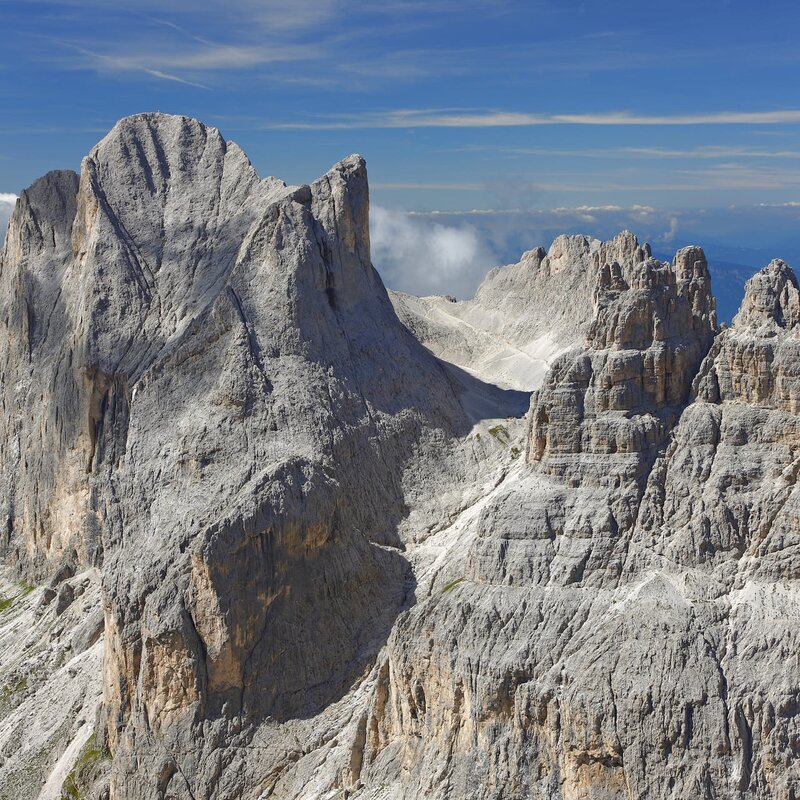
332, 559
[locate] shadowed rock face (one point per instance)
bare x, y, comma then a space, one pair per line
330, 560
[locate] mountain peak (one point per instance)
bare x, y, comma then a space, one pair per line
771, 299
322, 559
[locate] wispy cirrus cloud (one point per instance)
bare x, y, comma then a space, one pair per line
729, 176
413, 186
713, 152
710, 152
632, 182
48, 130
454, 118
266, 14
124, 64
177, 65
568, 211
744, 176
319, 38
194, 40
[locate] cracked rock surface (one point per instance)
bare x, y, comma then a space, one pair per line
308, 540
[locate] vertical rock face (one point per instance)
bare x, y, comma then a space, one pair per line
771, 300
325, 564
42, 482
723, 508
726, 495
212, 398
625, 620
99, 277
603, 413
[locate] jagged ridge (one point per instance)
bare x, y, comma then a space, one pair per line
326, 563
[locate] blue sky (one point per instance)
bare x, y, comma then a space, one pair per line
685, 108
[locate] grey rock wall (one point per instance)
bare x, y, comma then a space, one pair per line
333, 557
626, 622
523, 315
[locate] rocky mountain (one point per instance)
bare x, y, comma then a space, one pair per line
328, 543
523, 315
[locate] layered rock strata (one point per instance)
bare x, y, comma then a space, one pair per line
51, 664
604, 412
624, 621
206, 392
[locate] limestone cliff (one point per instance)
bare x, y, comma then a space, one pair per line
331, 557
624, 619
604, 412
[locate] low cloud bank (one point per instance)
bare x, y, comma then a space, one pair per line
7, 201
425, 256
450, 253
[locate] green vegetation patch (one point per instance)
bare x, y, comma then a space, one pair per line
20, 685
515, 452
87, 768
500, 433
447, 587
7, 602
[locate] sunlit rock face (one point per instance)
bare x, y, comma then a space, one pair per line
523, 315
625, 620
604, 411
212, 399
328, 556
726, 495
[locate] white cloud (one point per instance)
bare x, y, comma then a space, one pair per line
445, 252
209, 57
460, 187
669, 236
163, 64
460, 118
709, 153
7, 201
743, 176
424, 256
